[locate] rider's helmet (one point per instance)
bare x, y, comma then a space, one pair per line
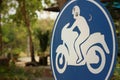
76, 11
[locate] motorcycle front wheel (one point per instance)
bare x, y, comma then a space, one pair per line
101, 61
61, 62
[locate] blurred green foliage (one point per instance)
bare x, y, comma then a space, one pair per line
23, 73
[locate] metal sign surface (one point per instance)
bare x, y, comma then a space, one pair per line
83, 42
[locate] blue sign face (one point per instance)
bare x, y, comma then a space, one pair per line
83, 43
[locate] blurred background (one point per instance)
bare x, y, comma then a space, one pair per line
25, 36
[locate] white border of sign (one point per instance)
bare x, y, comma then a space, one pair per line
111, 27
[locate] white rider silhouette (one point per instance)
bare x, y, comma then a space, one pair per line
83, 27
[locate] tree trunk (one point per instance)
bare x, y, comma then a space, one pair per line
27, 23
61, 3
0, 29
0, 36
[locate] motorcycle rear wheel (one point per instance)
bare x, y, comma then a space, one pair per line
103, 60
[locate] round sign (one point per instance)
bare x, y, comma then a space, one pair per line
83, 43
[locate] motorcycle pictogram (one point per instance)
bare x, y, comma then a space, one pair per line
66, 53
